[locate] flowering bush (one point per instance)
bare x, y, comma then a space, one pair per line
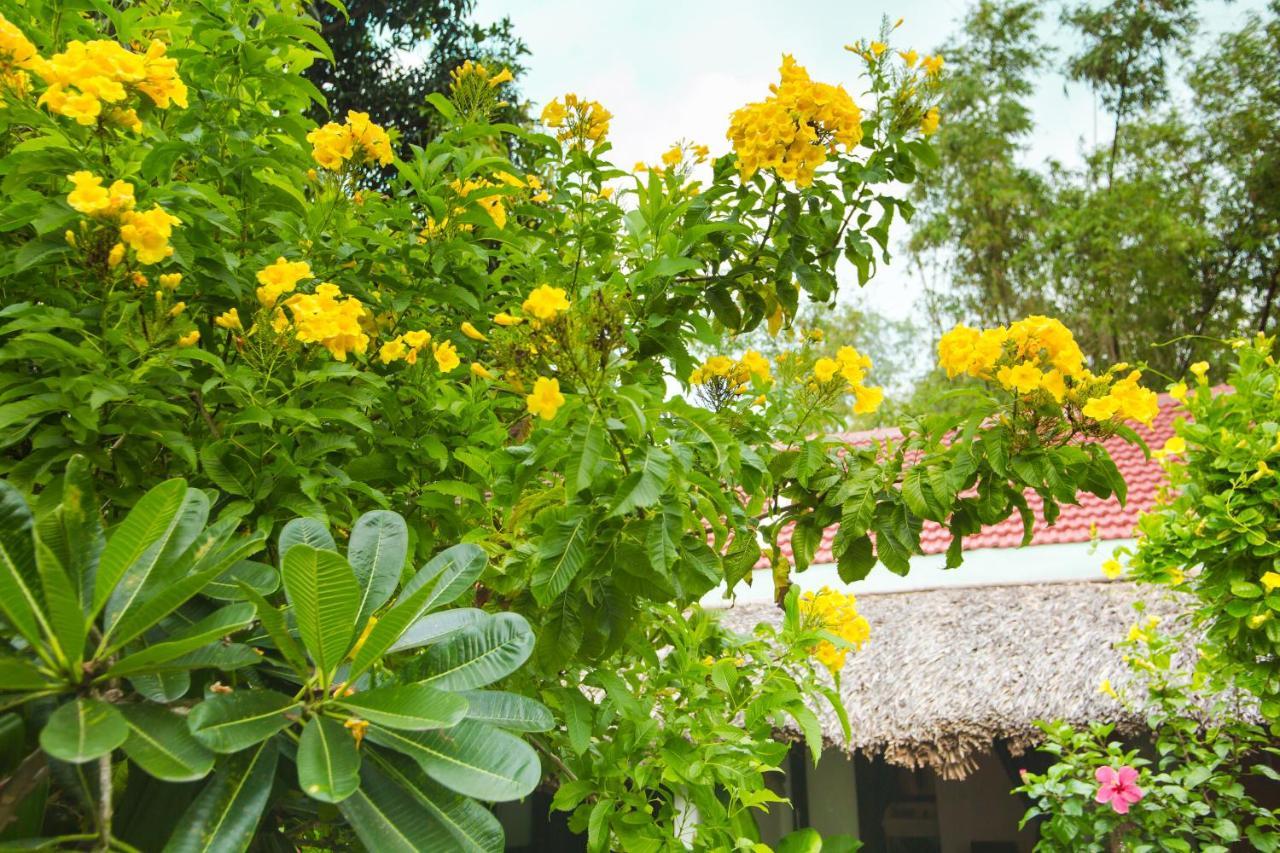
1183, 792
200, 283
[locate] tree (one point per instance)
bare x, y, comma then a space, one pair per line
1163, 237
389, 55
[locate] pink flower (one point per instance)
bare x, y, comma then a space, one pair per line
1118, 787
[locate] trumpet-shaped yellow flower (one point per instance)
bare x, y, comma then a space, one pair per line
148, 233
446, 356
545, 302
330, 319
91, 198
546, 398
280, 278
472, 332
229, 319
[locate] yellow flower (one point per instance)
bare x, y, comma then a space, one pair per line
170, 280
673, 156
878, 47
933, 65
115, 256
280, 278
472, 332
835, 613
330, 319
545, 302
929, 124
357, 727
1136, 634
177, 309
504, 319
92, 199
793, 131
1271, 580
392, 350
190, 339
417, 339
577, 120
503, 76
1022, 377
1175, 445
824, 369
1259, 619
755, 364
1178, 391
88, 75
546, 398
478, 369
867, 399
357, 140
229, 319
148, 233
1200, 368
1112, 568
446, 356
1105, 687
909, 57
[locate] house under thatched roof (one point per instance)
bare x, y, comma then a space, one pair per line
949, 672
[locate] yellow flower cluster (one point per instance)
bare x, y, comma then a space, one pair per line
736, 375
577, 120
280, 278
330, 319
836, 613
1039, 354
404, 347
148, 233
546, 398
358, 140
1126, 399
793, 131
476, 71
851, 366
91, 198
544, 302
88, 75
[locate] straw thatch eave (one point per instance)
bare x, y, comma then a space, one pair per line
949, 672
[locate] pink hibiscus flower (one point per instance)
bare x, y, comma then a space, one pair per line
1117, 786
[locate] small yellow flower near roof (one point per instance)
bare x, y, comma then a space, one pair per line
1178, 391
1200, 369
1112, 568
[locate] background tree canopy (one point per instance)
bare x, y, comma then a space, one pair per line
389, 55
1165, 232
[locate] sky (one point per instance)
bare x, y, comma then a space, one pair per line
675, 70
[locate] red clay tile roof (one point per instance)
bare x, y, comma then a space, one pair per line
1142, 475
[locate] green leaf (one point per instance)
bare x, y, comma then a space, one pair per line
471, 758
857, 559
562, 553
325, 598
17, 674
508, 710
162, 745
436, 626
215, 626
377, 551
414, 707
273, 622
82, 730
328, 761
230, 722
390, 817
260, 577
162, 687
644, 485
224, 816
305, 531
474, 828
138, 541
62, 606
480, 654
19, 579
440, 581
585, 460
173, 595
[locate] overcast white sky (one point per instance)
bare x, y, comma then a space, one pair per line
670, 70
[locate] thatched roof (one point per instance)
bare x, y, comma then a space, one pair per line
948, 672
